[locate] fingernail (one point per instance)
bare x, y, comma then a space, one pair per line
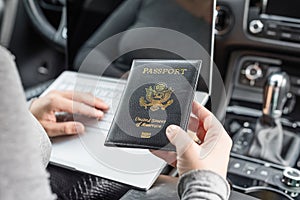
100, 113
171, 131
79, 128
207, 122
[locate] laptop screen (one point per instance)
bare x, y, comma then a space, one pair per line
140, 29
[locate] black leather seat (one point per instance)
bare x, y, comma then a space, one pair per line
145, 13
119, 21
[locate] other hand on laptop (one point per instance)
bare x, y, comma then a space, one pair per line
44, 109
213, 152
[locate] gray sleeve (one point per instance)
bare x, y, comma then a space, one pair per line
203, 184
43, 140
42, 137
21, 170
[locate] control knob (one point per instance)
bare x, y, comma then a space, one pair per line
291, 177
252, 72
256, 26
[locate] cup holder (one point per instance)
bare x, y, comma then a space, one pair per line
266, 193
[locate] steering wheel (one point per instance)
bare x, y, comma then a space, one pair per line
56, 36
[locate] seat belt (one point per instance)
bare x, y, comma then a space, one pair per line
8, 23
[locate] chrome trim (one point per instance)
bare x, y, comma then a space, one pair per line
275, 94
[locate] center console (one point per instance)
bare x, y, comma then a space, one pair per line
251, 71
273, 27
250, 74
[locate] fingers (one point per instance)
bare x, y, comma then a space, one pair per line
169, 157
197, 126
59, 129
200, 111
216, 137
193, 124
70, 106
186, 149
86, 98
212, 122
90, 100
206, 121
180, 139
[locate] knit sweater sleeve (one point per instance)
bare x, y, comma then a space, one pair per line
21, 170
203, 184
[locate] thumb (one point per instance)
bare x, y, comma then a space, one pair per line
179, 138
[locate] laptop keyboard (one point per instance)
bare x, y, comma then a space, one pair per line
109, 90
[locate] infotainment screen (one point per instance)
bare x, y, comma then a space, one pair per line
286, 8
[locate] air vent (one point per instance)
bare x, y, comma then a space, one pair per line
223, 20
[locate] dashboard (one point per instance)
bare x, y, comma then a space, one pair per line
255, 39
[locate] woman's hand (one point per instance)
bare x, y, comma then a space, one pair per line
44, 109
213, 152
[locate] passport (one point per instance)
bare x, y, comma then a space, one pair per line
158, 93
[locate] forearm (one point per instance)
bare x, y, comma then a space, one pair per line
21, 170
202, 184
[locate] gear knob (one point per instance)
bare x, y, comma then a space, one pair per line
275, 94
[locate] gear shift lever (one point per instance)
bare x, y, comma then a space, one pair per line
270, 138
275, 96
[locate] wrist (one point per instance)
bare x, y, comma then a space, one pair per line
30, 102
204, 179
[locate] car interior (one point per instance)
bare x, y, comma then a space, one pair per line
256, 52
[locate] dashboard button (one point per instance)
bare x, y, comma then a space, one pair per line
286, 35
264, 173
236, 165
271, 33
273, 26
250, 169
234, 127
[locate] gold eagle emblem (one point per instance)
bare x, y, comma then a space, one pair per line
157, 97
